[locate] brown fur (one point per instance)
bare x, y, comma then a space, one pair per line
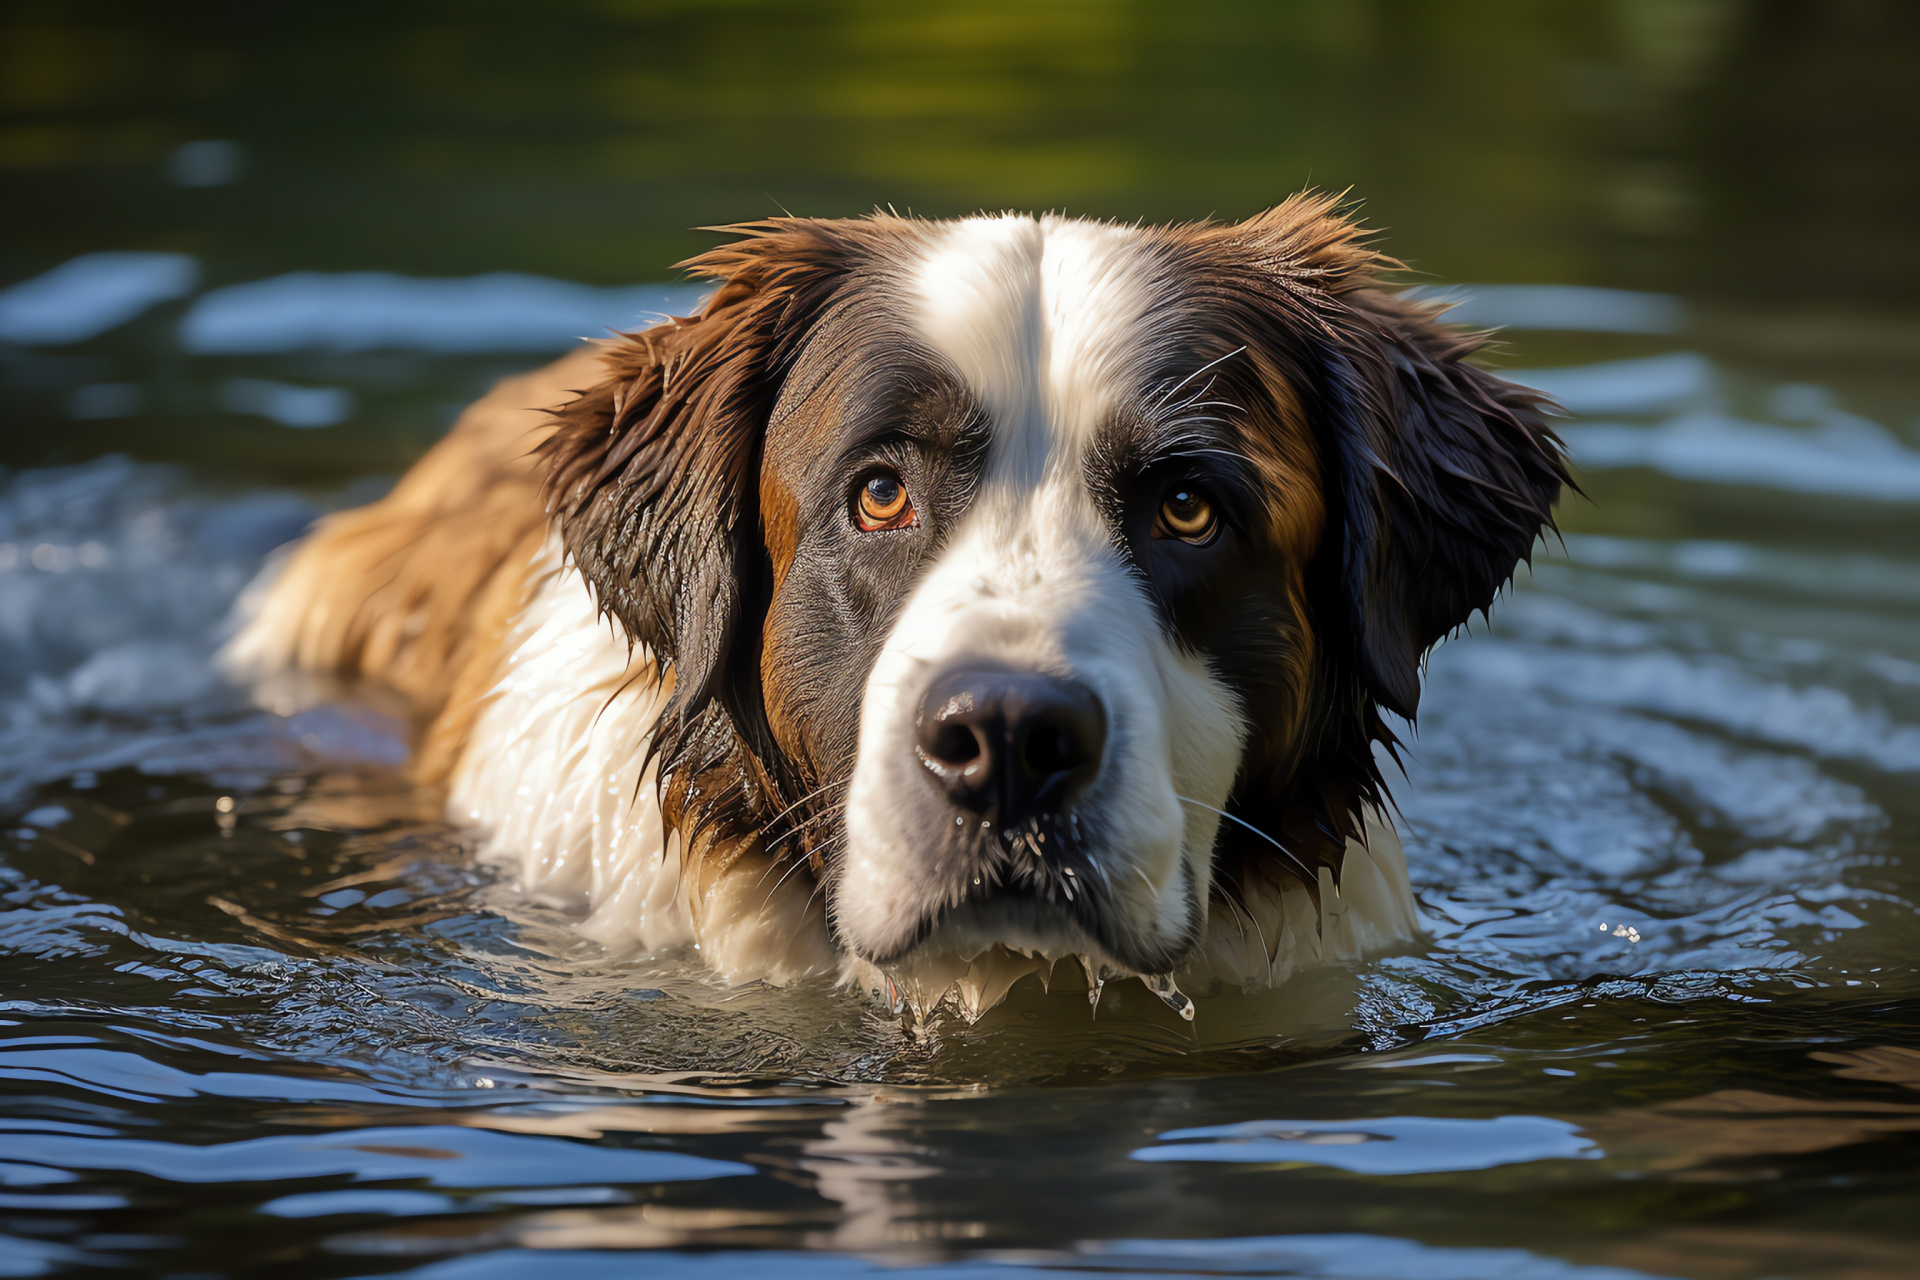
1433, 477
653, 482
416, 591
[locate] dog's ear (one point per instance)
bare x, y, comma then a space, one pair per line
1438, 474
653, 473
1442, 476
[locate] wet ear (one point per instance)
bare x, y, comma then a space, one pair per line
1438, 475
652, 473
1443, 475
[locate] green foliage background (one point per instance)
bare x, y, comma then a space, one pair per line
1697, 144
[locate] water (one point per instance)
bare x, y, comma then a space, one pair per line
259, 1011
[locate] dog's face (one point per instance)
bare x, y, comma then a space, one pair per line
1001, 562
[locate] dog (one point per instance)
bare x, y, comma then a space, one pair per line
947, 598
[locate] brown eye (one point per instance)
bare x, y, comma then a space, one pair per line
1186, 513
882, 504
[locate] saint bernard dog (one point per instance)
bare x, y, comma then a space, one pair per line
947, 598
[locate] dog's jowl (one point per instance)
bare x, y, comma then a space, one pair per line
948, 598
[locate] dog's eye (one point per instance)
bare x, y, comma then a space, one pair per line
882, 503
1186, 513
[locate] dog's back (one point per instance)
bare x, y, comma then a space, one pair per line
416, 591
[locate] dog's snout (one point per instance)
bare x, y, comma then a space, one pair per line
1010, 745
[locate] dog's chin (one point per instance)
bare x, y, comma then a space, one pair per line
1025, 923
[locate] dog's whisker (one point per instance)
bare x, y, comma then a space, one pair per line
832, 810
1211, 364
808, 798
1289, 854
787, 875
776, 841
794, 863
1227, 896
1266, 949
1152, 889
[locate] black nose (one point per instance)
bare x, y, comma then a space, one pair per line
1009, 746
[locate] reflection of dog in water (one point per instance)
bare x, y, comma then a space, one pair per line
945, 598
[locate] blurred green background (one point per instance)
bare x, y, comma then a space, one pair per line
1757, 157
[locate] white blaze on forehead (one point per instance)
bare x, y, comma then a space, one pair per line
1049, 323
1045, 321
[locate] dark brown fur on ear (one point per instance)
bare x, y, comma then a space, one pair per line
1437, 476
651, 472
652, 476
1447, 475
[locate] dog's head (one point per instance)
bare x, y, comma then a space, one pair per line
1033, 578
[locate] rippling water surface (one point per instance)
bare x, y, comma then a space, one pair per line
259, 1012
259, 1007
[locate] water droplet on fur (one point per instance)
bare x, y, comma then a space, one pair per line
1096, 983
1161, 984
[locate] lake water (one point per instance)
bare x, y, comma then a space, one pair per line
259, 1012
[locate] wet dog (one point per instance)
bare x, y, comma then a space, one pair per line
945, 598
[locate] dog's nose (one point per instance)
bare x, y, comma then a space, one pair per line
1010, 745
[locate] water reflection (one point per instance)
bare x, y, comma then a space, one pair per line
1564, 307
1845, 457
1385, 1146
91, 294
369, 310
1362, 1257
438, 1156
1649, 385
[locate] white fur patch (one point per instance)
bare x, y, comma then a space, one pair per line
552, 780
1046, 321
